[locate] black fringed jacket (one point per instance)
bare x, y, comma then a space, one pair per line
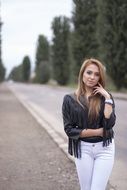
75, 119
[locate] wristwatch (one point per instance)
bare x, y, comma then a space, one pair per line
108, 101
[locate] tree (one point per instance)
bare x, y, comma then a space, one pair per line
42, 52
16, 73
60, 49
85, 43
113, 39
43, 73
2, 68
42, 60
2, 72
26, 66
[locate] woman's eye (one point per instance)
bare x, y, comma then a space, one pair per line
89, 72
97, 74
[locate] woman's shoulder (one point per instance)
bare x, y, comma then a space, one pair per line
69, 96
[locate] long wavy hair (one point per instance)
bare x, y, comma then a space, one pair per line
94, 100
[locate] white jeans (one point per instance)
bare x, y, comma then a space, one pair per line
95, 165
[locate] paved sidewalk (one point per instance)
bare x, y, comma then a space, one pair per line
29, 158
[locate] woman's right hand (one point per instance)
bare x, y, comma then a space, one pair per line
99, 132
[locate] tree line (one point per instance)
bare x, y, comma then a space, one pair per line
96, 29
2, 68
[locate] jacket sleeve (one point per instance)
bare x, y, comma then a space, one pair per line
110, 122
70, 129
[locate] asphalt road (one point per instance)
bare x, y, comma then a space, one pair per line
50, 99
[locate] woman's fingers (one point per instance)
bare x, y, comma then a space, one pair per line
96, 91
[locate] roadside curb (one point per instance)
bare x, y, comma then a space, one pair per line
119, 96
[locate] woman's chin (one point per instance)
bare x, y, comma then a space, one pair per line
91, 85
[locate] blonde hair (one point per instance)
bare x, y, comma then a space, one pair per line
94, 103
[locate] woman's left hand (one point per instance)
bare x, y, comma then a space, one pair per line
100, 90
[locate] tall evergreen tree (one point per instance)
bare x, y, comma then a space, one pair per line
60, 49
43, 73
2, 68
0, 32
42, 52
26, 66
2, 72
113, 39
85, 43
16, 73
42, 60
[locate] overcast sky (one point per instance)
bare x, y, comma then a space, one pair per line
23, 21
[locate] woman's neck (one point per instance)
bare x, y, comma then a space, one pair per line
88, 92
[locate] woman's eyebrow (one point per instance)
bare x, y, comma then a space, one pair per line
93, 71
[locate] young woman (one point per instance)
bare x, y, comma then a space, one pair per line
89, 117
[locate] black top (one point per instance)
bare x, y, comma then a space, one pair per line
75, 118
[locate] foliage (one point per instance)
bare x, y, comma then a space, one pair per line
42, 73
42, 52
26, 66
16, 73
2, 72
85, 43
42, 60
60, 49
112, 31
2, 68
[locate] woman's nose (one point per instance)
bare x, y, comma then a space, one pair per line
92, 76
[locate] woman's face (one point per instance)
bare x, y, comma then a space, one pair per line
91, 76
